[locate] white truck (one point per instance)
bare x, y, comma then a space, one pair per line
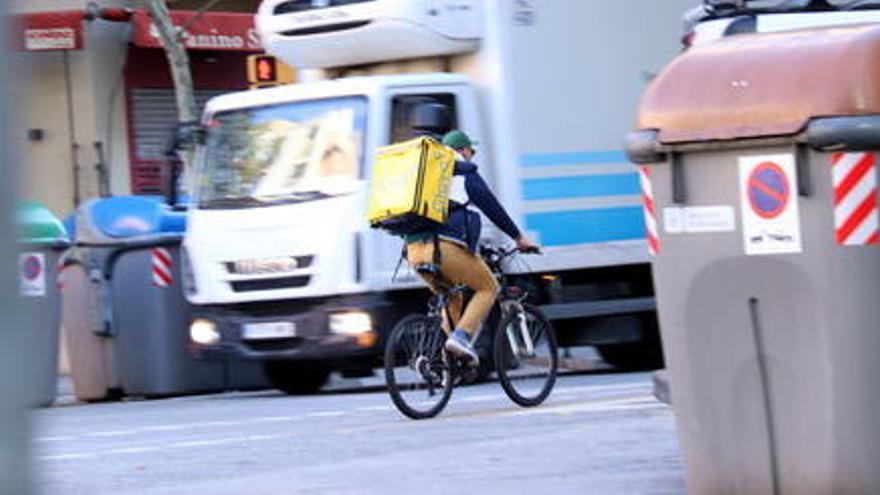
279, 260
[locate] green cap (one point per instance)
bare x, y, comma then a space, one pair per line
457, 140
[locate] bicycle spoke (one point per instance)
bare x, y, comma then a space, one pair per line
526, 375
417, 383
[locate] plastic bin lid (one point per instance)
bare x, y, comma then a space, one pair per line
763, 85
37, 224
109, 220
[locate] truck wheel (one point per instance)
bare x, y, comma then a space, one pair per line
638, 356
296, 378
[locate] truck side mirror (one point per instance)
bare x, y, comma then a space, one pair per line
187, 135
184, 137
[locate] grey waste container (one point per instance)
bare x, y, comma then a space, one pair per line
763, 214
42, 241
129, 330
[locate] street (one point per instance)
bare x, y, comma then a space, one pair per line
597, 433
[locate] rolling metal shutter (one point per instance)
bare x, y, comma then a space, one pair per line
153, 117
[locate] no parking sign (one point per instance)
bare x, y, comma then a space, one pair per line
32, 274
768, 201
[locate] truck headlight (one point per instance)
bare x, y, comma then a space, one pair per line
351, 323
204, 332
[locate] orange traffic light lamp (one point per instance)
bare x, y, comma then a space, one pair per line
266, 71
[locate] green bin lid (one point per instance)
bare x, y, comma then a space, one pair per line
37, 224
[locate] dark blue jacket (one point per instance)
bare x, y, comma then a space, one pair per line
463, 225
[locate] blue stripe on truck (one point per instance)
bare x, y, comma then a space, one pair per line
572, 158
580, 186
561, 228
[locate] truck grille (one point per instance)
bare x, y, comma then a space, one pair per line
268, 266
270, 283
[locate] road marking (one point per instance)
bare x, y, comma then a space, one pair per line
54, 439
326, 414
132, 450
596, 396
269, 419
206, 443
374, 408
623, 387
176, 445
117, 433
218, 423
164, 428
621, 404
64, 457
481, 398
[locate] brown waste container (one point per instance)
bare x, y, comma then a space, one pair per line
760, 154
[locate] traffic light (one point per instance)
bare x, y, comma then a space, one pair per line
265, 71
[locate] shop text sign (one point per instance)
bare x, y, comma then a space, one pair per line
208, 31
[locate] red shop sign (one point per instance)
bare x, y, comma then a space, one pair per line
202, 31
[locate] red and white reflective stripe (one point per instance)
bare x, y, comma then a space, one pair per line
856, 219
161, 261
650, 212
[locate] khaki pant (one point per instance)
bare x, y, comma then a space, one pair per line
458, 266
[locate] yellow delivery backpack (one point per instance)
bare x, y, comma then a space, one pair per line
409, 191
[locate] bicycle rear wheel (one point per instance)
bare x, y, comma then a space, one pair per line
416, 371
526, 356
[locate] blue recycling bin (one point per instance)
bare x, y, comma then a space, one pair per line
127, 316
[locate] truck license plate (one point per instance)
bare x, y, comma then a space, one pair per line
268, 330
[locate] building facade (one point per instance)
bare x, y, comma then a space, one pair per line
96, 101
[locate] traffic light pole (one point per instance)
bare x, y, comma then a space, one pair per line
14, 429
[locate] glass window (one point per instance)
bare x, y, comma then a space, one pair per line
402, 106
285, 153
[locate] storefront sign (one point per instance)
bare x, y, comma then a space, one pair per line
202, 31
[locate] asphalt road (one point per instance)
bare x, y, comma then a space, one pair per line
596, 434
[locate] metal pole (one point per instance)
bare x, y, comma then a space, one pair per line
14, 455
71, 129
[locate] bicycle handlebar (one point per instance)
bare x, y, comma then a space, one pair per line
495, 255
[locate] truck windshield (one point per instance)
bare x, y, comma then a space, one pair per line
285, 153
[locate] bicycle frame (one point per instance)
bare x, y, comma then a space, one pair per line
509, 299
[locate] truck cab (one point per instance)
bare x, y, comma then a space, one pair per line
279, 260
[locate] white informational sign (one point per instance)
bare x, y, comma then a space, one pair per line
32, 274
50, 39
699, 219
768, 204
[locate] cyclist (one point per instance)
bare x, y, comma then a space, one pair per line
448, 254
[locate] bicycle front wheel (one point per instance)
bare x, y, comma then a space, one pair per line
526, 356
416, 371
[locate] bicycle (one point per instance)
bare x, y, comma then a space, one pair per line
420, 374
